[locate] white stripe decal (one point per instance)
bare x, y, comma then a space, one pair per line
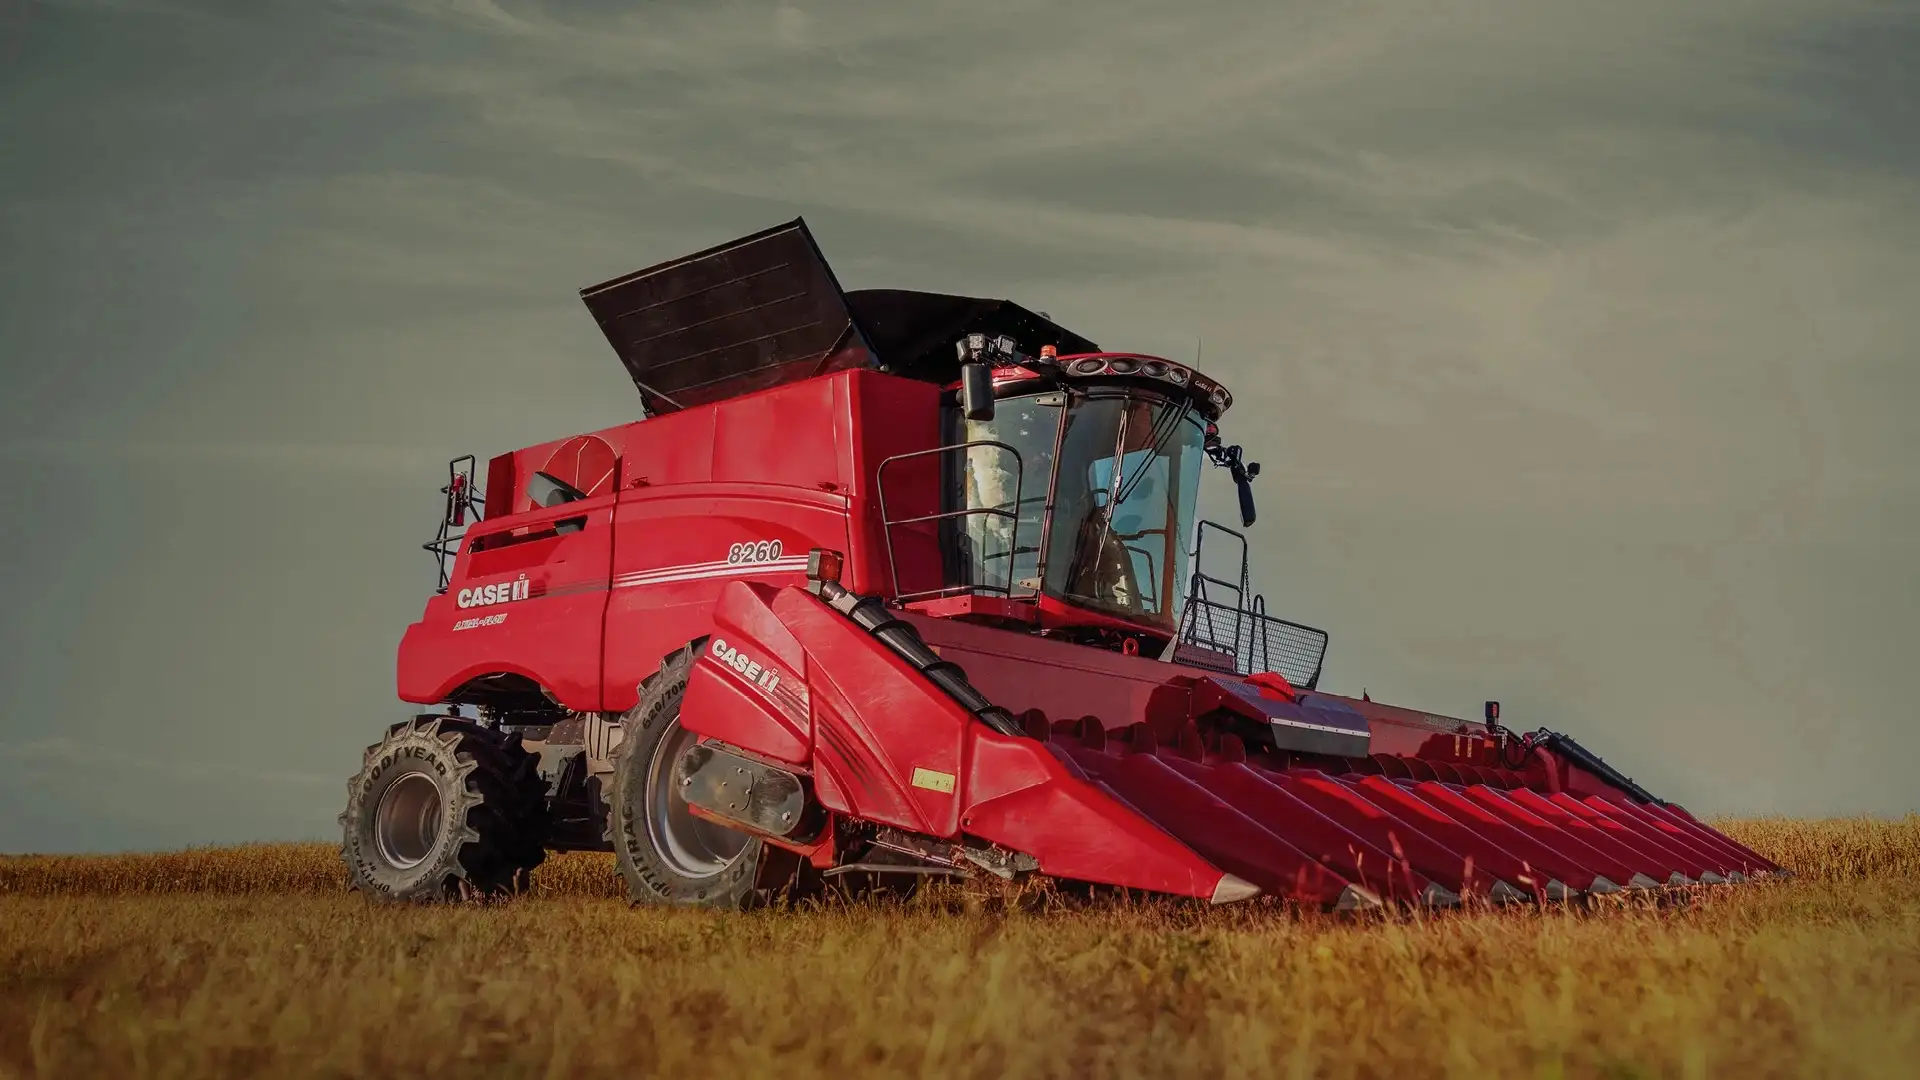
701, 571
749, 569
790, 562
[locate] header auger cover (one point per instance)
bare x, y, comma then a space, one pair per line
882, 586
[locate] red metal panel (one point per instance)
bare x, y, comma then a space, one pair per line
586, 463
673, 559
1700, 857
589, 463
878, 724
673, 449
783, 437
1386, 852
500, 485
1743, 858
1574, 844
1675, 858
1680, 813
1724, 857
1650, 864
720, 704
1728, 858
1022, 796
1405, 732
748, 687
1482, 858
1343, 850
530, 607
881, 416
1720, 858
1209, 825
1481, 774
1535, 846
1021, 672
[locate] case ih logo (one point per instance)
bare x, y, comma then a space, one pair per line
505, 592
759, 676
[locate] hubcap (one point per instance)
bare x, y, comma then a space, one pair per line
693, 846
406, 825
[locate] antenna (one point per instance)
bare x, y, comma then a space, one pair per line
1199, 342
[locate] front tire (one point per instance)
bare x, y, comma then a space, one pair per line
666, 854
444, 809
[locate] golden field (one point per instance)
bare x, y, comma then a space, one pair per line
255, 961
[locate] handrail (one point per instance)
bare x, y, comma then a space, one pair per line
1243, 627
464, 497
887, 524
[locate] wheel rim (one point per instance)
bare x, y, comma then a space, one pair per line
406, 825
693, 846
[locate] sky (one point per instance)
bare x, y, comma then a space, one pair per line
1576, 342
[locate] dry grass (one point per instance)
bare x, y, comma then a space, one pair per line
1843, 849
254, 870
249, 961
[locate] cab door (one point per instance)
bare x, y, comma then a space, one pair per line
530, 596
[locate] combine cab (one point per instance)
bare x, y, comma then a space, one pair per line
900, 584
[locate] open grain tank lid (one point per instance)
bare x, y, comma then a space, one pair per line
766, 309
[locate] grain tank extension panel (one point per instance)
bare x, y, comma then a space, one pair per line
766, 309
747, 315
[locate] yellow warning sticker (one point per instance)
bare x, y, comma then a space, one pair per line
933, 780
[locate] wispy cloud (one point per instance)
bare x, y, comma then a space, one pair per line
1404, 117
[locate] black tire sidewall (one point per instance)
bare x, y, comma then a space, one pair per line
650, 877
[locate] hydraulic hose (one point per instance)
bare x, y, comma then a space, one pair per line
1566, 747
873, 616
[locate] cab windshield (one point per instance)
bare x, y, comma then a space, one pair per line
1128, 475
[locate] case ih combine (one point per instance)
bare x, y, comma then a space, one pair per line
896, 583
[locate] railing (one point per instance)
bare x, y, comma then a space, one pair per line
888, 524
1225, 625
463, 502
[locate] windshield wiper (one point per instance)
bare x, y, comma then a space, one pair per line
1161, 437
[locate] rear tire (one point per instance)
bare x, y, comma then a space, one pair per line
666, 854
444, 809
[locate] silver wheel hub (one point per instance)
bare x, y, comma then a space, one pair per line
406, 824
693, 846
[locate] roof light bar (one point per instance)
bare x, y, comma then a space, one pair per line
1213, 397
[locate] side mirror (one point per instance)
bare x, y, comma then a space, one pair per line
977, 356
1243, 483
1243, 471
976, 391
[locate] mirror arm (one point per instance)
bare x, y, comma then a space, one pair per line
1242, 472
979, 355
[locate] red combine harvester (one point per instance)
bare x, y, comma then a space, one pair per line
896, 583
